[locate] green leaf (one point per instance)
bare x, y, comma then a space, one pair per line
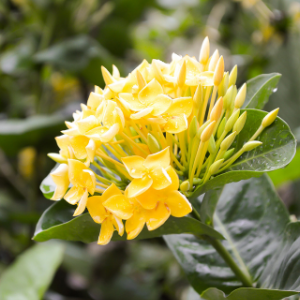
36, 130
57, 223
252, 218
259, 90
30, 275
277, 151
246, 294
290, 173
282, 270
48, 186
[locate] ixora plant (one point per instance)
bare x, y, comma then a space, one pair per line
169, 151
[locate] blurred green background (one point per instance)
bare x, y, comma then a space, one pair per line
50, 57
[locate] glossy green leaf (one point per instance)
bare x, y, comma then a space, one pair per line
290, 173
252, 218
260, 88
246, 294
30, 275
277, 151
48, 186
33, 131
282, 270
57, 223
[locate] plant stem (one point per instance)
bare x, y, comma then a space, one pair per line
230, 262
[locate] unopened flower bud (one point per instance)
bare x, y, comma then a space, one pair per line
223, 85
208, 131
217, 110
214, 168
229, 97
269, 118
231, 121
116, 72
213, 61
204, 51
193, 128
212, 148
182, 75
226, 143
157, 72
240, 123
233, 76
251, 145
185, 186
221, 127
219, 72
201, 129
229, 153
108, 79
241, 96
153, 144
57, 158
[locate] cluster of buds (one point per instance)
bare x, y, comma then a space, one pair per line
146, 141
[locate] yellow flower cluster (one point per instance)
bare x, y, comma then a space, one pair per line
136, 141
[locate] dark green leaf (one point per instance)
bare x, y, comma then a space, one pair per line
16, 134
290, 173
57, 223
246, 294
259, 90
251, 217
277, 150
30, 275
282, 271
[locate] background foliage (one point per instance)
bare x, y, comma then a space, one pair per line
50, 57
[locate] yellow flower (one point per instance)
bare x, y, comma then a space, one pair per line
150, 101
109, 210
152, 171
60, 176
83, 181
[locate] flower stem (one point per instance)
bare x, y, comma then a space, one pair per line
230, 261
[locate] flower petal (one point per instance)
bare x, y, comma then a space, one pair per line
74, 195
135, 224
148, 94
158, 160
119, 206
161, 178
149, 199
78, 144
110, 133
106, 232
61, 179
96, 209
139, 186
161, 104
87, 124
142, 113
118, 223
81, 204
183, 105
94, 100
112, 190
174, 178
176, 124
132, 102
157, 216
178, 204
109, 111
135, 166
